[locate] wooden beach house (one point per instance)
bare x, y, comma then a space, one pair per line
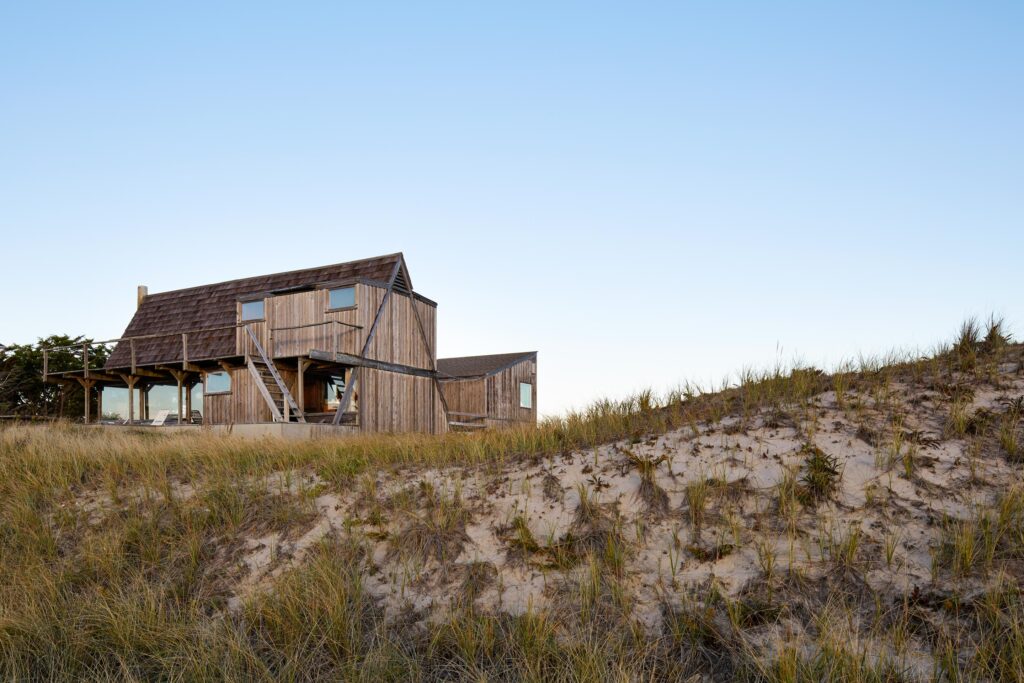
351, 345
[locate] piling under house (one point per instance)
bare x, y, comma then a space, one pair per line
351, 345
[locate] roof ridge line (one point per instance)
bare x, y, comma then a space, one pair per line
281, 272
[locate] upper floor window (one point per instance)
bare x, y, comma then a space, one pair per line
252, 310
525, 395
343, 297
218, 383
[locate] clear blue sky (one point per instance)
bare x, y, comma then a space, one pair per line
643, 192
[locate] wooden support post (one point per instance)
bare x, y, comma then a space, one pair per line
184, 352
145, 394
87, 385
189, 386
46, 363
131, 343
142, 402
99, 403
180, 376
131, 398
179, 401
303, 364
85, 360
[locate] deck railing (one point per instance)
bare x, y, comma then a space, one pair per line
82, 350
299, 340
84, 347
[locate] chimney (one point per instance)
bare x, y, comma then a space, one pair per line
143, 292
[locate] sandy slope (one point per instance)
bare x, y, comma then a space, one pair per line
876, 536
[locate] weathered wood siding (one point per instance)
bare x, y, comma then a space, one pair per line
428, 316
308, 308
396, 402
218, 409
503, 395
496, 396
244, 341
313, 387
467, 396
405, 334
398, 338
245, 402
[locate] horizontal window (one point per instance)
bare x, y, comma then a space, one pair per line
343, 297
218, 382
252, 310
525, 395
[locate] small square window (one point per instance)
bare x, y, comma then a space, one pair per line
218, 383
252, 310
525, 395
344, 297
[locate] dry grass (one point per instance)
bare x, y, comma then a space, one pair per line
122, 551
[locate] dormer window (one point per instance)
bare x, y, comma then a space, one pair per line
252, 310
342, 297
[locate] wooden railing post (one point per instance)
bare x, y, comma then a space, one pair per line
184, 350
85, 360
334, 339
132, 344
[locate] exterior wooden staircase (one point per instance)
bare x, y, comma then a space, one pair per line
270, 384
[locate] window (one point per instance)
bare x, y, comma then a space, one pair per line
334, 389
344, 297
252, 310
525, 395
218, 383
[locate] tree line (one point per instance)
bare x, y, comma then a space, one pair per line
23, 393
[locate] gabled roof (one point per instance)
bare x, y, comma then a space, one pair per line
480, 366
214, 306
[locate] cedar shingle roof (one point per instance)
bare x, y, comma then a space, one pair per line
477, 366
213, 306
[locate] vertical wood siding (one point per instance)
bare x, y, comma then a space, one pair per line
388, 401
245, 403
243, 341
428, 316
398, 338
466, 396
396, 402
306, 308
503, 395
496, 396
